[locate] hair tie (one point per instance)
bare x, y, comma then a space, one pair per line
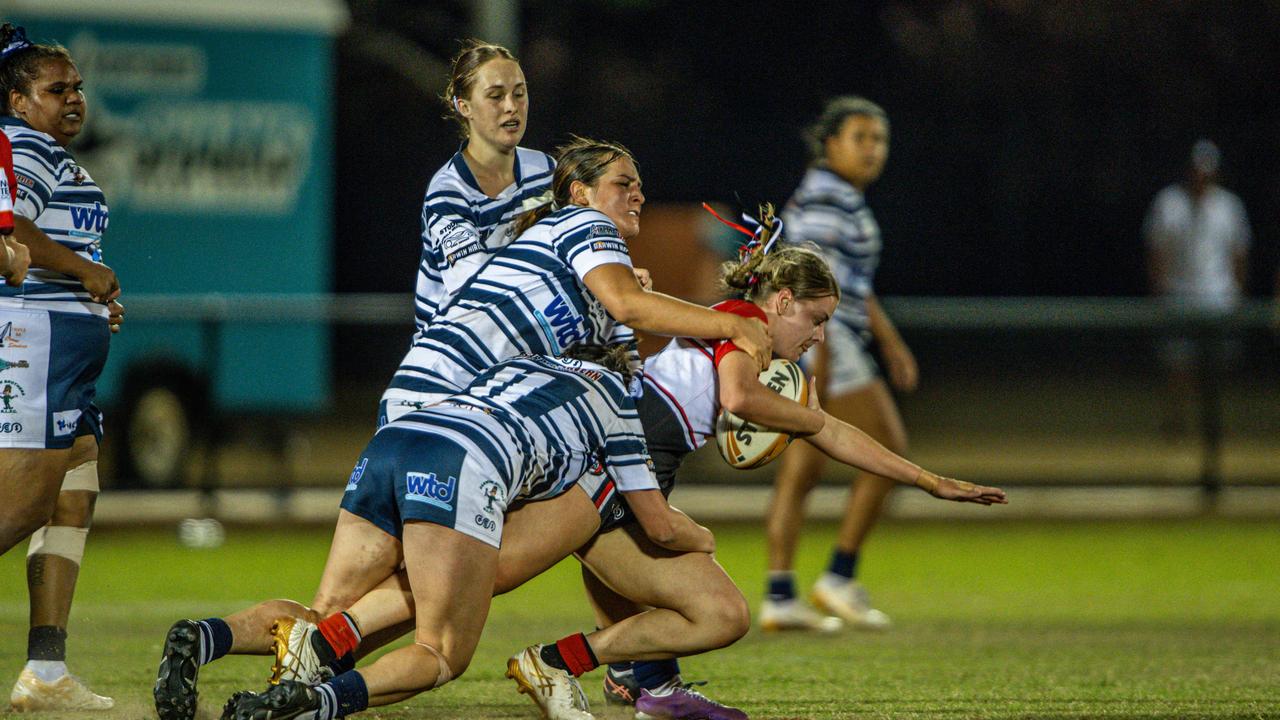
17, 42
456, 107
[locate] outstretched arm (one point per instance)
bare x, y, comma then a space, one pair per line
849, 445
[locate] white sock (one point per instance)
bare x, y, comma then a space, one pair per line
47, 670
832, 580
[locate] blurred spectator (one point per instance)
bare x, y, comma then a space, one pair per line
1197, 239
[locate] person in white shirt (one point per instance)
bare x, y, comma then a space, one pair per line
1197, 240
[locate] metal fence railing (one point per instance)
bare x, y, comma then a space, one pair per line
1024, 390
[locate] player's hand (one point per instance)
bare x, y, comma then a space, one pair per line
904, 374
15, 260
100, 281
643, 277
754, 339
947, 488
115, 316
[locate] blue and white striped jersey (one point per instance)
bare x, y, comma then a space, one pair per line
528, 298
543, 422
829, 212
62, 200
461, 226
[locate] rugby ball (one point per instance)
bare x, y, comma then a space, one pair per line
745, 445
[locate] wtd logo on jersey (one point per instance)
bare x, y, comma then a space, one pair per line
92, 219
6, 365
426, 488
561, 325
356, 474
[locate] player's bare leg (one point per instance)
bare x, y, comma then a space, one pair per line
29, 483
871, 409
53, 566
452, 576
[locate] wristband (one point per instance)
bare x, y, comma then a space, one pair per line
927, 481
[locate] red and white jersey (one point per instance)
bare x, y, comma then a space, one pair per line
682, 377
7, 183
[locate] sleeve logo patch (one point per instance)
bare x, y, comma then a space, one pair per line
602, 230
456, 235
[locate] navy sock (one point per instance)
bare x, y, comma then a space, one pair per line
46, 642
346, 663
344, 695
782, 585
622, 668
652, 674
844, 564
215, 639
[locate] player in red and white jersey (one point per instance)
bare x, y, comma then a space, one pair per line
14, 256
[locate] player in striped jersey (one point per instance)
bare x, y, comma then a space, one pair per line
54, 331
473, 200
566, 279
431, 491
850, 143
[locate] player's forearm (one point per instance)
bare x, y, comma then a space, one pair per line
759, 405
46, 253
851, 446
667, 526
662, 314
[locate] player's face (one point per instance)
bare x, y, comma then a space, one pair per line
497, 110
617, 194
859, 150
56, 103
797, 325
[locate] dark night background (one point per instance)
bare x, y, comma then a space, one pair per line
1027, 137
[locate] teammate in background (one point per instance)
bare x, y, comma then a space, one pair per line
1197, 238
54, 333
849, 144
472, 201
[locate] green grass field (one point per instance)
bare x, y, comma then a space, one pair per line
1177, 619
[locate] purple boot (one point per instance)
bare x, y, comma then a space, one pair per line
683, 704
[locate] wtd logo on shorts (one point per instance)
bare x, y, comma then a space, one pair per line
356, 474
428, 489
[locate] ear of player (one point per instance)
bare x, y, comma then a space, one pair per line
745, 445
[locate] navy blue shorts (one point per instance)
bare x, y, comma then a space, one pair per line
405, 475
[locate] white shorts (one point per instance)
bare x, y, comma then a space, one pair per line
850, 366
